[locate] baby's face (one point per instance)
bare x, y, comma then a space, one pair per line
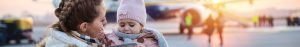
129, 26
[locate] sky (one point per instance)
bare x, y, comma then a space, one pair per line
264, 4
42, 7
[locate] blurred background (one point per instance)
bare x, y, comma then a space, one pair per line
247, 23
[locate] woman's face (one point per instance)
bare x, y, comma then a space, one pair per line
129, 26
95, 29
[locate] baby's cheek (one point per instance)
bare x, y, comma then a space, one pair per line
120, 29
137, 30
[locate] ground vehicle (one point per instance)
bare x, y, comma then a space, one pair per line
15, 29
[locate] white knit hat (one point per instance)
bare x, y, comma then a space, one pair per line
132, 9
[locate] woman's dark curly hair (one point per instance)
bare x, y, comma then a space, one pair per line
73, 12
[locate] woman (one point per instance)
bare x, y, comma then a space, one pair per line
80, 24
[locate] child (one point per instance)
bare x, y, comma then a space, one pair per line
131, 19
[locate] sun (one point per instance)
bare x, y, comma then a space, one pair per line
215, 1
